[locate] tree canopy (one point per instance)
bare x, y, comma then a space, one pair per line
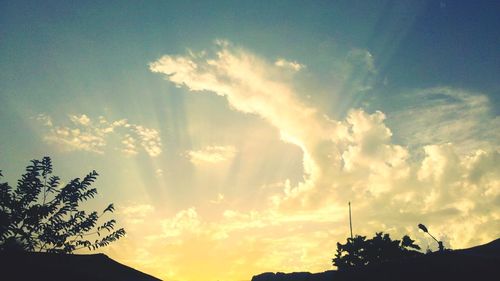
359, 251
42, 215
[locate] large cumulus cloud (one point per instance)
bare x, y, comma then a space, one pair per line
455, 191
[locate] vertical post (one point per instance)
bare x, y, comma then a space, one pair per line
350, 220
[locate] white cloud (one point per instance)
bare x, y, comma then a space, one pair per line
442, 114
149, 139
293, 65
137, 210
243, 79
439, 164
185, 221
84, 134
211, 154
80, 120
44, 119
136, 213
77, 137
454, 193
159, 172
129, 145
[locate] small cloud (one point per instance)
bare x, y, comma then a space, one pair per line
80, 120
211, 154
149, 139
129, 146
72, 139
185, 221
293, 65
222, 43
136, 213
84, 135
159, 172
137, 210
44, 119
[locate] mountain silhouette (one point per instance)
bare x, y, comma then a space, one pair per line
25, 266
476, 263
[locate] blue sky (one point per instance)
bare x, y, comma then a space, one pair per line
227, 115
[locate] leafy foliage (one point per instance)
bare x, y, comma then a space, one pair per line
40, 215
359, 251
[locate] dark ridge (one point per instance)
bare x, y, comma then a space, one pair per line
47, 266
476, 263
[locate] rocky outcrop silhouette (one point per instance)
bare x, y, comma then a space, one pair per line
476, 263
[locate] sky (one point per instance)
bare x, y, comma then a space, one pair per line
231, 135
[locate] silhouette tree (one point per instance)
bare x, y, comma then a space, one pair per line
41, 215
359, 251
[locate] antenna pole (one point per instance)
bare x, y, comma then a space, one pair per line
350, 220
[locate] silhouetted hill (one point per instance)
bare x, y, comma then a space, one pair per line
45, 266
477, 263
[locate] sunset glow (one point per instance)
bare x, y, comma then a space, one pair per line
231, 136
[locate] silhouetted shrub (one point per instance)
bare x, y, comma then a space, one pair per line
359, 251
40, 215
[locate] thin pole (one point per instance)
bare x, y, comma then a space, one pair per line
350, 220
440, 244
433, 237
